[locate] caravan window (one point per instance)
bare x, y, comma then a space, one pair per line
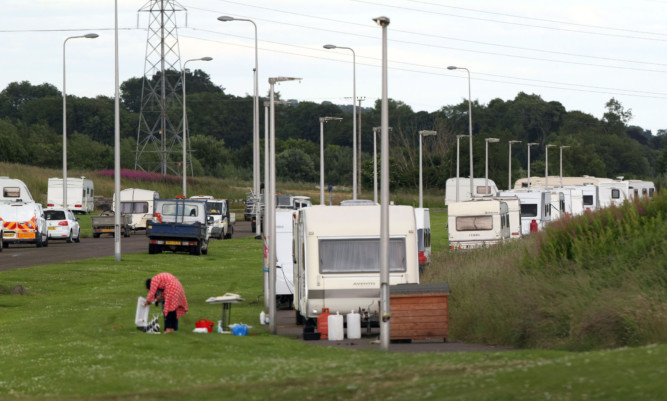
528, 210
420, 239
474, 223
360, 255
588, 200
615, 194
482, 190
133, 207
11, 192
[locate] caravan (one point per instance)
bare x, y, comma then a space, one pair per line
639, 188
337, 257
23, 219
137, 203
423, 222
535, 208
477, 223
80, 194
479, 188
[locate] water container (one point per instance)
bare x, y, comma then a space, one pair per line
336, 327
353, 325
262, 317
323, 323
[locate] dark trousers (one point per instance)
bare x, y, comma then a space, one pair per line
171, 321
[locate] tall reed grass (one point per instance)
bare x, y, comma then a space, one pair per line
594, 281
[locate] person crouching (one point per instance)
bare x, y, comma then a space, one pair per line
166, 288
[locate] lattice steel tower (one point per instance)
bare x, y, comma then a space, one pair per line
159, 138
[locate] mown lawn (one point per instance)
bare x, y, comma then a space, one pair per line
72, 336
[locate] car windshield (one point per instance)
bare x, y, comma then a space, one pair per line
54, 215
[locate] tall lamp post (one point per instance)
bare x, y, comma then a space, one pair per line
185, 123
458, 138
322, 121
546, 164
421, 191
375, 165
255, 115
384, 200
452, 67
561, 164
509, 174
486, 164
270, 205
529, 145
354, 116
86, 36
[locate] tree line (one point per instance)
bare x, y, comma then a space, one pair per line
220, 128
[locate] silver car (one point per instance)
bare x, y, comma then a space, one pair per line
62, 224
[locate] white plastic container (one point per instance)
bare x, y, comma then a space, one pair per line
262, 317
353, 325
335, 327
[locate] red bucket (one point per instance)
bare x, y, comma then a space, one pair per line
205, 323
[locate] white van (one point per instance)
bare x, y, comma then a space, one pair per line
80, 194
478, 185
223, 220
423, 222
337, 257
137, 203
535, 207
22, 218
477, 223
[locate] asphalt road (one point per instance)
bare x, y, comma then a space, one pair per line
18, 256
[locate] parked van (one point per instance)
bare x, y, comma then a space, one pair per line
535, 208
80, 194
137, 203
223, 220
337, 257
22, 218
477, 223
479, 189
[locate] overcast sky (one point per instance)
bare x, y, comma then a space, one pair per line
580, 54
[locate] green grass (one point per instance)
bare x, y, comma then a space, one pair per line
72, 336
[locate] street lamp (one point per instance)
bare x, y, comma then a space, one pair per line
87, 36
486, 164
322, 121
354, 115
185, 122
421, 191
270, 205
529, 145
546, 165
384, 201
451, 67
458, 137
561, 164
255, 115
509, 175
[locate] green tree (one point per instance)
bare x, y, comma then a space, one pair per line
12, 146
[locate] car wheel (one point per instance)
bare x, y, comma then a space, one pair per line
69, 238
45, 243
78, 238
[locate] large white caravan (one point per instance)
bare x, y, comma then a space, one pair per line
284, 257
13, 191
477, 223
535, 208
137, 203
80, 194
514, 211
337, 254
22, 218
613, 192
479, 189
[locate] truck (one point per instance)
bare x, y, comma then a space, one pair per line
138, 204
105, 223
477, 223
223, 220
337, 258
80, 194
179, 225
23, 218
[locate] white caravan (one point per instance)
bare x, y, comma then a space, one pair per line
514, 211
337, 256
478, 185
535, 207
137, 203
477, 223
639, 188
80, 194
574, 200
423, 222
613, 192
284, 258
13, 191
